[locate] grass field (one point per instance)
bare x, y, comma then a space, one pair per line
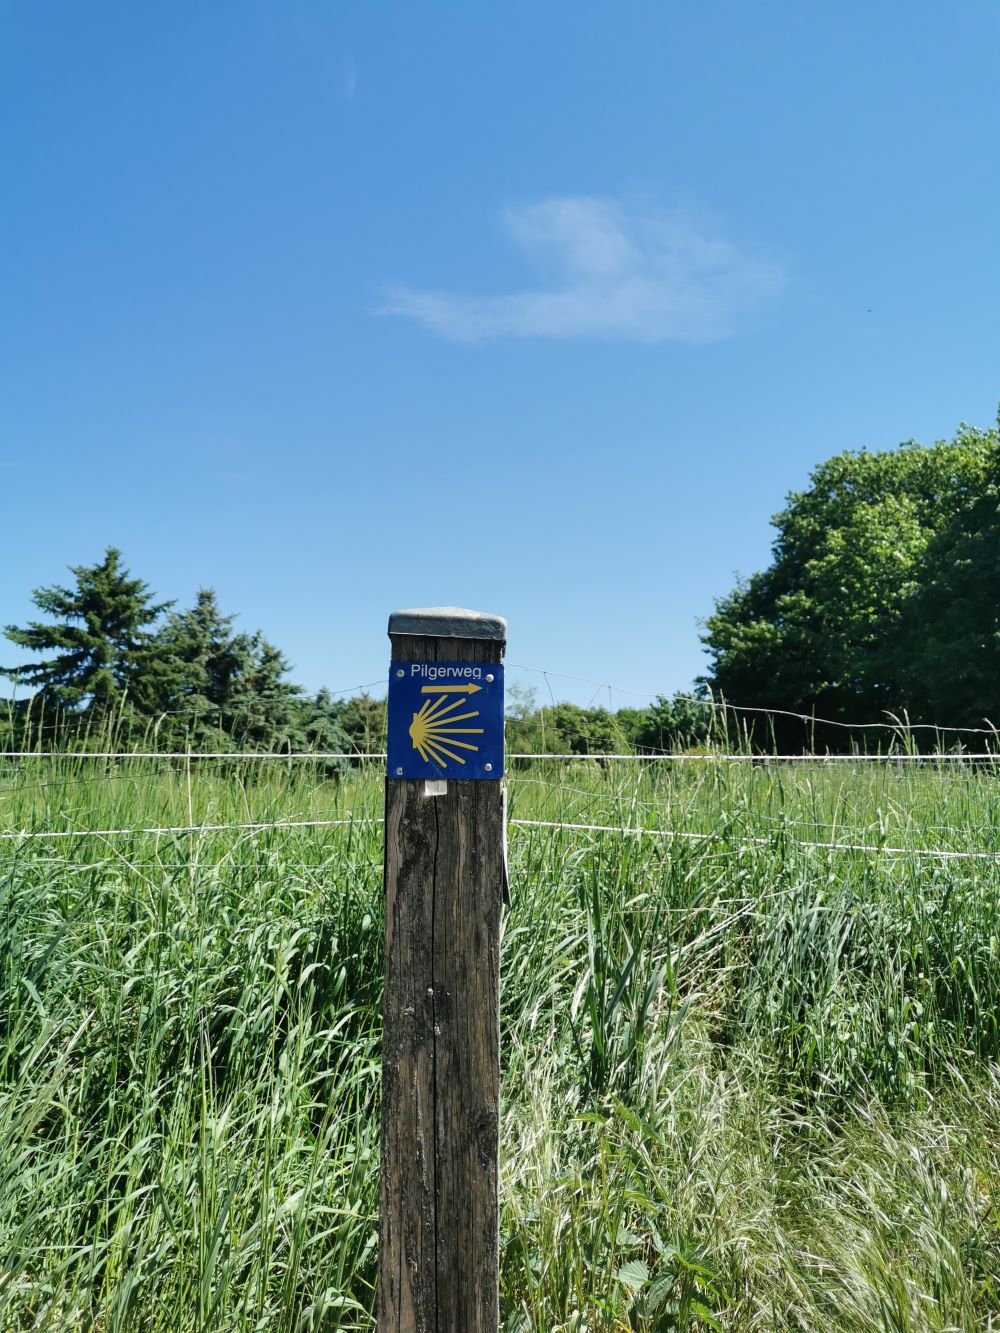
748, 1083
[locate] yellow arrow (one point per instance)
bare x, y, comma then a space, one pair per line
450, 689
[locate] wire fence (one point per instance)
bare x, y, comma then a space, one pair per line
640, 816
560, 756
560, 825
639, 831
252, 826
899, 725
896, 724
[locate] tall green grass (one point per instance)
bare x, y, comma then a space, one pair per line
748, 1084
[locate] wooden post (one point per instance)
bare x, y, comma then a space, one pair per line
439, 1211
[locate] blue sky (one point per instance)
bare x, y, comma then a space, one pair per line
538, 309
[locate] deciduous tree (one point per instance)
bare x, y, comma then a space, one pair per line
836, 625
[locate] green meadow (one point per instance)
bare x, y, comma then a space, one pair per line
750, 1080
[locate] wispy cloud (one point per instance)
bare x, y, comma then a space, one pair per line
606, 272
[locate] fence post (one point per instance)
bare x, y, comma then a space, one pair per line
444, 874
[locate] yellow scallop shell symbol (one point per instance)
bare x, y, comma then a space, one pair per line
434, 729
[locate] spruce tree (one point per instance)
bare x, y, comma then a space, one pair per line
317, 727
218, 689
100, 638
195, 661
261, 710
363, 719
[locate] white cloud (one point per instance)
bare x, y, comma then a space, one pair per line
606, 273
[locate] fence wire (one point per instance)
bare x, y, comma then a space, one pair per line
775, 840
928, 758
569, 806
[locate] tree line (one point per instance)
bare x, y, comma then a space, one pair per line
881, 603
108, 658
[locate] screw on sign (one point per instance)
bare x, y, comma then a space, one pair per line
439, 1253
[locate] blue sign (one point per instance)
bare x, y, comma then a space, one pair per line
445, 720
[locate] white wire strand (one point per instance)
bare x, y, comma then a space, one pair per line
633, 831
898, 726
262, 755
712, 757
252, 827
562, 825
948, 756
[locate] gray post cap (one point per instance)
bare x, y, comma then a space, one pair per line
448, 622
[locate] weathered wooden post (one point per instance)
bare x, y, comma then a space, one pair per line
444, 874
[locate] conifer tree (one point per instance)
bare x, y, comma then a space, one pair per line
99, 635
318, 727
192, 674
363, 719
193, 680
261, 708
